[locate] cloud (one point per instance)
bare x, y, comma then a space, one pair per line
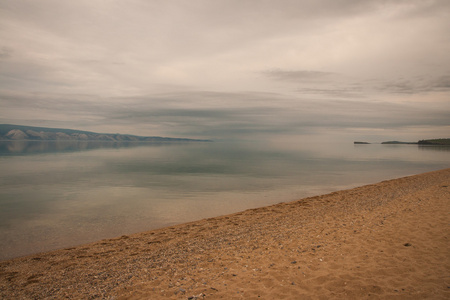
418, 85
224, 68
5, 53
297, 76
218, 115
341, 86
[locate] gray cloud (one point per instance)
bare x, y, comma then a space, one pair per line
332, 84
272, 115
297, 76
5, 52
418, 85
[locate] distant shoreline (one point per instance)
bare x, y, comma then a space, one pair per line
9, 132
430, 142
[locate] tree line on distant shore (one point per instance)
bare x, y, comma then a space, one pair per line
440, 142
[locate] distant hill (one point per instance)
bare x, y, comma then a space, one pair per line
20, 132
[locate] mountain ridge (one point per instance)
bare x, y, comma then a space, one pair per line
11, 132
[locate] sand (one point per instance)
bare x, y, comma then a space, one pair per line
388, 240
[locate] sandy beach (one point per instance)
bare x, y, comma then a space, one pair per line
388, 240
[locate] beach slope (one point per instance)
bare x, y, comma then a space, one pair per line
386, 240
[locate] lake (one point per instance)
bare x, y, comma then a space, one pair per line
59, 194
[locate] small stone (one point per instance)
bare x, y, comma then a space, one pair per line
407, 245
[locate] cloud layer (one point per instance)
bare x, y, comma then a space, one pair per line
227, 69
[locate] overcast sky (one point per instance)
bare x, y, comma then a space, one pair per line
374, 70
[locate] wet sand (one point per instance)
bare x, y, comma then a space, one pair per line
388, 240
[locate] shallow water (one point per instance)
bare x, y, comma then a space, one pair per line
60, 194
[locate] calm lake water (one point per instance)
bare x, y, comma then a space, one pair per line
59, 194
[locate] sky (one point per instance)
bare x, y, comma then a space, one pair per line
372, 70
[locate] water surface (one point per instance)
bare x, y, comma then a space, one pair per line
60, 194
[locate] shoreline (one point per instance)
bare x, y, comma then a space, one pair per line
383, 240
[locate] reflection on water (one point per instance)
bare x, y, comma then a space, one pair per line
434, 148
35, 147
55, 194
